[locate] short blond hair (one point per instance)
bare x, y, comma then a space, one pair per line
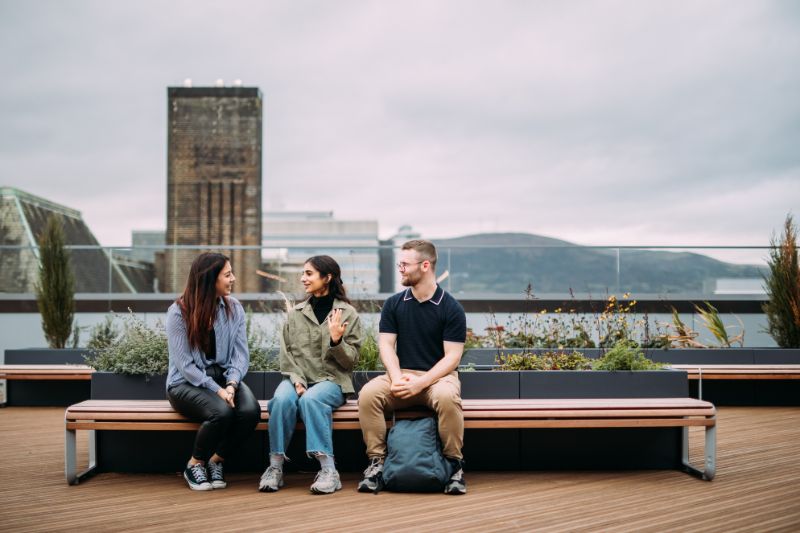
426, 250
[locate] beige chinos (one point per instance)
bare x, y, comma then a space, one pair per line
443, 397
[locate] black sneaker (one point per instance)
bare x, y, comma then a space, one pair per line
217, 475
196, 476
456, 485
371, 475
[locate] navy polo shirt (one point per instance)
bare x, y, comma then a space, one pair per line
422, 327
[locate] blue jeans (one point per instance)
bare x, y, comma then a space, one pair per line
315, 407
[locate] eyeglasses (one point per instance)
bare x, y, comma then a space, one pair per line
403, 266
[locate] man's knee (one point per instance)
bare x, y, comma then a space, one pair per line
446, 398
374, 392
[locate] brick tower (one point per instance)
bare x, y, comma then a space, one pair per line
213, 180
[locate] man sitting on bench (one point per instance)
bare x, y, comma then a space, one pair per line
422, 334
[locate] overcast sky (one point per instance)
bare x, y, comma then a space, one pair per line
599, 122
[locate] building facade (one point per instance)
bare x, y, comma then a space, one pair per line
292, 237
214, 160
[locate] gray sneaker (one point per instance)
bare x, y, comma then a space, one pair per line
217, 475
371, 475
271, 480
326, 482
456, 485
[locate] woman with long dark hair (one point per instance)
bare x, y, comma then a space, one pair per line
208, 359
319, 347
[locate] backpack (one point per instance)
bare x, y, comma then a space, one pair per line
414, 460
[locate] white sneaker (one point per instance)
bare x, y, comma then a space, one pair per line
326, 482
271, 480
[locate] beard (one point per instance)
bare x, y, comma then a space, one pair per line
411, 279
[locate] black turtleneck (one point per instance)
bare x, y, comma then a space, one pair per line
322, 306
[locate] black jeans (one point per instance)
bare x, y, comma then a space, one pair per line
223, 427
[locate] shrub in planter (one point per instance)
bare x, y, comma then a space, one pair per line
55, 286
139, 350
625, 355
103, 335
142, 350
783, 289
544, 361
369, 357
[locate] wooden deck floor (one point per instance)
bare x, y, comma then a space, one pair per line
757, 489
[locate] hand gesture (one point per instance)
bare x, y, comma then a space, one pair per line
299, 388
336, 326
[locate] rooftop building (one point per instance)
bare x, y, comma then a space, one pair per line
23, 218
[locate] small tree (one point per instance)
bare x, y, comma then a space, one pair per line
55, 288
782, 284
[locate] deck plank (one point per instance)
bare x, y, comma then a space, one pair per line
755, 489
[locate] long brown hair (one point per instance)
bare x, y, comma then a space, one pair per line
199, 300
325, 264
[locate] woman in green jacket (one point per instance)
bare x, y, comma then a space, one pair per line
319, 347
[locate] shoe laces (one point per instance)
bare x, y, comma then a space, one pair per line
375, 467
215, 468
199, 472
272, 474
325, 475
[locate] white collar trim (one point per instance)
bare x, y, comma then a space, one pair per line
409, 296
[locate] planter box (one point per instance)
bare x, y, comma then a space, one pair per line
46, 356
776, 356
111, 386
45, 393
709, 356
602, 384
618, 448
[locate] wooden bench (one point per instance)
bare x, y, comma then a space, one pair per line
46, 372
700, 372
158, 415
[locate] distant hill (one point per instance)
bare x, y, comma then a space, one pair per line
508, 267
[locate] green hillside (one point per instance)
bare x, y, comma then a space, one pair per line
508, 266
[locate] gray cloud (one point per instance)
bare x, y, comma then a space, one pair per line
599, 122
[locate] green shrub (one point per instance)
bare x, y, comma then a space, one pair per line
625, 355
545, 361
55, 286
782, 285
140, 350
369, 356
103, 335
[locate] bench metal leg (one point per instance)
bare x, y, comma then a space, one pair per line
71, 457
710, 467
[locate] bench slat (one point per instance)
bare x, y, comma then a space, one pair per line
740, 372
46, 372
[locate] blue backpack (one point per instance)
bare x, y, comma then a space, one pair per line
414, 460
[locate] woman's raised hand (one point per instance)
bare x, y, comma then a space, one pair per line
336, 326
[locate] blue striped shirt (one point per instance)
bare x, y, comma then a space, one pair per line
188, 365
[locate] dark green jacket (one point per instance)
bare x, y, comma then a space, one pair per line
306, 352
